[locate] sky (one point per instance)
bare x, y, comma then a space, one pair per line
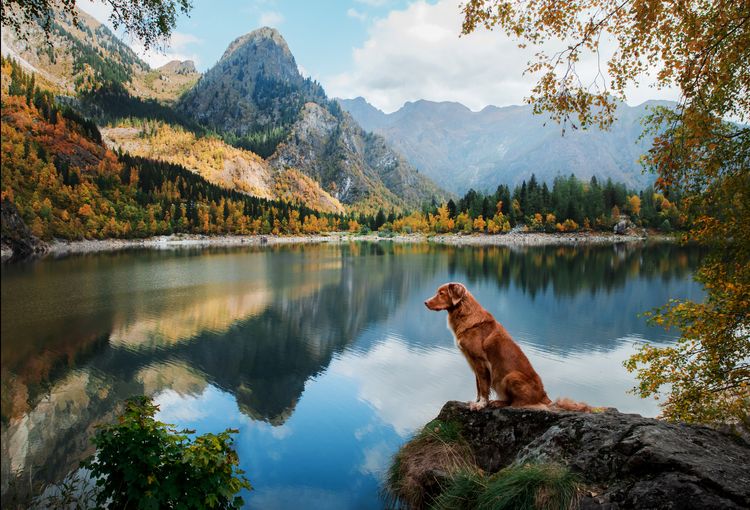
387, 51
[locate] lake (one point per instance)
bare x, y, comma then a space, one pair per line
323, 356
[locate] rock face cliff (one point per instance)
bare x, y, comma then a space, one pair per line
622, 460
353, 165
17, 241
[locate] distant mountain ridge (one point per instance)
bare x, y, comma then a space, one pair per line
461, 149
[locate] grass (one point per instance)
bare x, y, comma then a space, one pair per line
437, 451
527, 487
436, 469
462, 492
531, 486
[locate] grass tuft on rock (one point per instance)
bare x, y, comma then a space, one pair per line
527, 487
461, 492
437, 470
531, 486
424, 463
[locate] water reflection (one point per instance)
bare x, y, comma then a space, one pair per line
323, 356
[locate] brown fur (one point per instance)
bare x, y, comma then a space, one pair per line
497, 361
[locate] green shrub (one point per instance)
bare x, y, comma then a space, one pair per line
143, 463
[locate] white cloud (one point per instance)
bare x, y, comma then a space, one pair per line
354, 13
176, 408
271, 19
403, 397
376, 461
416, 53
176, 48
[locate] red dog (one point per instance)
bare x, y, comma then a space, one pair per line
497, 361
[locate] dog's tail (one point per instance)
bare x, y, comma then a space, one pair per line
567, 404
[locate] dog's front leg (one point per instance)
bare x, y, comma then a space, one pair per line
482, 376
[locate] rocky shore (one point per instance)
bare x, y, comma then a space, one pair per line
63, 247
617, 460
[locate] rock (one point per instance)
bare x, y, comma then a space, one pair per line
17, 241
624, 460
621, 227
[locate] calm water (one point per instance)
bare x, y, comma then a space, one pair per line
324, 357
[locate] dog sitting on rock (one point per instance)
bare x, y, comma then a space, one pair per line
497, 361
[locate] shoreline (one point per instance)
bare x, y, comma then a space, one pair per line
175, 241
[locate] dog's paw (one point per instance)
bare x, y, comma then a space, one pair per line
478, 406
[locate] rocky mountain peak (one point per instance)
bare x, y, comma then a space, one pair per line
255, 90
265, 36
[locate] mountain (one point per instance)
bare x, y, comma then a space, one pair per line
460, 149
254, 89
86, 54
64, 182
356, 167
257, 98
254, 98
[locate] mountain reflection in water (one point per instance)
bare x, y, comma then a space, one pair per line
322, 355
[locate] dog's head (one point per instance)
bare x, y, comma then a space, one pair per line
448, 296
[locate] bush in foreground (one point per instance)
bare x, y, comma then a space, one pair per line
143, 463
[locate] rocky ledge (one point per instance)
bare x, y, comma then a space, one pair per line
17, 242
620, 460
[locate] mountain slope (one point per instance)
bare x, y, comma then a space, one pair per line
65, 183
257, 96
85, 54
460, 149
357, 167
220, 164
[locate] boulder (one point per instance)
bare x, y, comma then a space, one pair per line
621, 227
17, 240
623, 460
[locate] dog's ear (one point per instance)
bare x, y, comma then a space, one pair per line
457, 292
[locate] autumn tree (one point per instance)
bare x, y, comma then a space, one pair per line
701, 149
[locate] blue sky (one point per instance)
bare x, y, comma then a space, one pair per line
320, 34
388, 51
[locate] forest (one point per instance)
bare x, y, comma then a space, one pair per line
66, 184
571, 205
